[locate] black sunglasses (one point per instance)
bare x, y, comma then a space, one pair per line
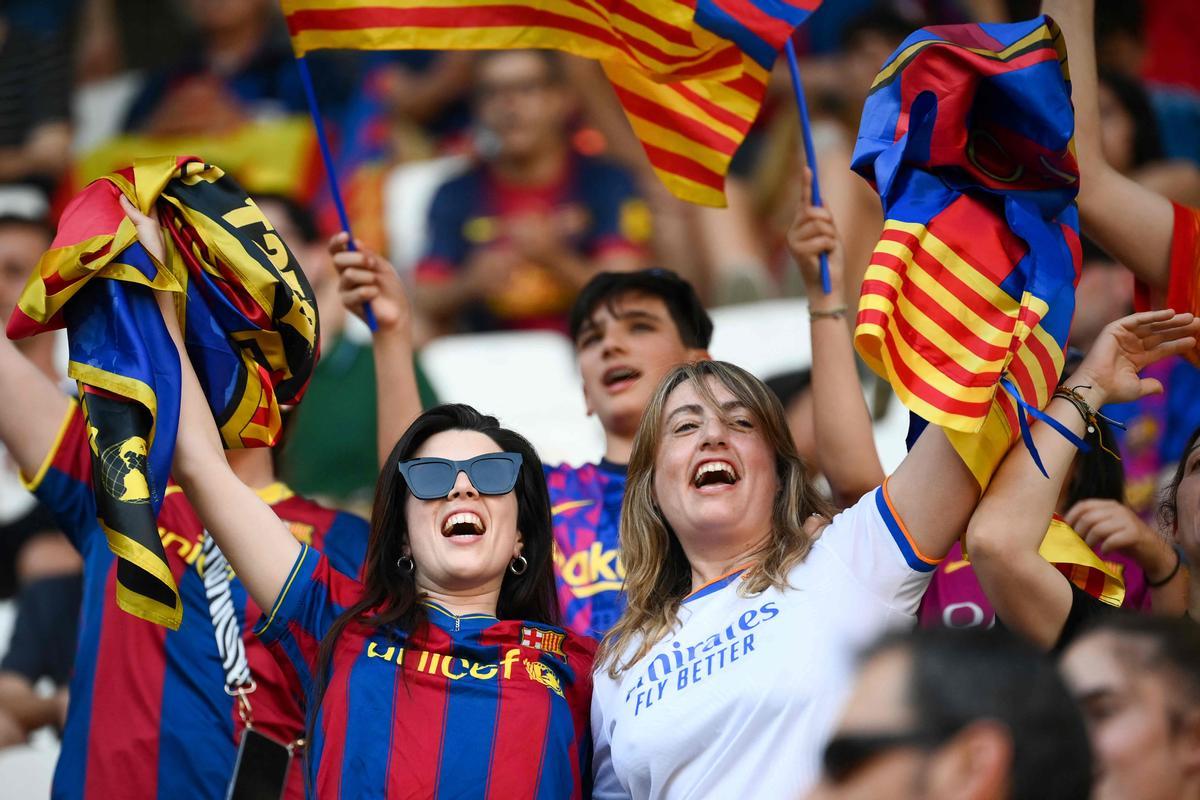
434, 478
847, 753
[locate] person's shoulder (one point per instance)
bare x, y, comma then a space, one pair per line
462, 185
599, 173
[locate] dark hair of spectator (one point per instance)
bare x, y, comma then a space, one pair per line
42, 226
299, 216
390, 598
606, 288
964, 676
1147, 140
1175, 646
1098, 474
881, 20
789, 385
1168, 509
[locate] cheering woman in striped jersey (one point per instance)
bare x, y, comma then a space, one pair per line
442, 671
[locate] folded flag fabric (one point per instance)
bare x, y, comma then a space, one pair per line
691, 75
249, 322
967, 136
1070, 555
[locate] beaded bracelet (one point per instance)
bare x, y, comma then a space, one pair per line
1172, 574
832, 313
1089, 414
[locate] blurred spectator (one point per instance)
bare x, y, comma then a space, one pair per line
30, 546
794, 390
318, 459
37, 563
957, 714
515, 237
1156, 426
1137, 680
1180, 514
239, 68
36, 71
1132, 143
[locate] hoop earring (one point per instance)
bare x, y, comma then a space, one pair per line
512, 565
406, 564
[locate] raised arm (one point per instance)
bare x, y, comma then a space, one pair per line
1030, 595
845, 443
256, 542
366, 277
32, 409
1128, 220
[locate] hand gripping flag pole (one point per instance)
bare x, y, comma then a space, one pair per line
327, 157
809, 155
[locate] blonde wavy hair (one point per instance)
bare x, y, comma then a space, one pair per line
657, 573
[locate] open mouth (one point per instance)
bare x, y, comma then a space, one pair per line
464, 523
714, 473
620, 376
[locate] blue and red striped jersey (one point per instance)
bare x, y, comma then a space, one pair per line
585, 503
149, 716
464, 706
593, 203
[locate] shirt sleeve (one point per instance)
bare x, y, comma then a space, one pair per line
63, 482
620, 218
1183, 287
313, 596
345, 544
448, 248
871, 540
605, 785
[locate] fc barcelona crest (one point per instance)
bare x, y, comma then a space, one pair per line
544, 640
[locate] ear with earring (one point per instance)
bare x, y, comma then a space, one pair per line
518, 565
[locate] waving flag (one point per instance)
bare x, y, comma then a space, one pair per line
250, 328
967, 136
691, 75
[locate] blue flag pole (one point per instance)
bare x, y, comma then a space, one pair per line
809, 155
327, 157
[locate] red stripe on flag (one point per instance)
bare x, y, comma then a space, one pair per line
753, 87
952, 325
771, 29
631, 12
684, 167
717, 112
680, 123
918, 341
915, 383
944, 275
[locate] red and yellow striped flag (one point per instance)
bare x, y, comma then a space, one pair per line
656, 37
690, 74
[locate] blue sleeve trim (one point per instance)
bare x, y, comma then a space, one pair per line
900, 535
274, 624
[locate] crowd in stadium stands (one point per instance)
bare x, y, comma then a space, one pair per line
738, 593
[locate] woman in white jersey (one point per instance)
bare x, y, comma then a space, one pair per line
726, 672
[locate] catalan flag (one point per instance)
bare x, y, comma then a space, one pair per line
250, 328
691, 75
965, 307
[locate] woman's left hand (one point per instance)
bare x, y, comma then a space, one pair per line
148, 231
1126, 347
1107, 525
